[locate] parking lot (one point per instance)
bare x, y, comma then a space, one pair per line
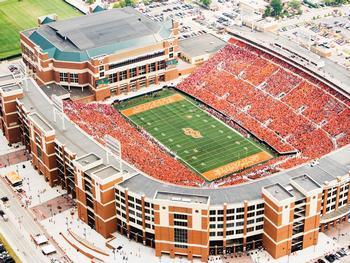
331, 35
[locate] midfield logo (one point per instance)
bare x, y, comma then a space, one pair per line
193, 133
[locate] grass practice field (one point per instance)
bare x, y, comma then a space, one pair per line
16, 16
204, 143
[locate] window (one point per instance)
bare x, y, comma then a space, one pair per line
136, 60
113, 78
102, 68
240, 216
161, 65
180, 223
142, 70
230, 225
39, 152
63, 77
152, 68
123, 75
180, 236
250, 208
240, 210
239, 231
171, 55
133, 72
250, 229
230, 218
240, 223
259, 227
212, 212
220, 212
74, 77
259, 206
180, 216
102, 74
228, 233
171, 49
230, 211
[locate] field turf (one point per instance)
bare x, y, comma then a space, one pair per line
16, 16
204, 143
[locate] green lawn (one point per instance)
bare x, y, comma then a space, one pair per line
216, 146
16, 16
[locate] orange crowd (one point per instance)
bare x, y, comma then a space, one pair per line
279, 104
251, 91
99, 120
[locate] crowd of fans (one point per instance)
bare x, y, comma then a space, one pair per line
138, 148
253, 92
279, 104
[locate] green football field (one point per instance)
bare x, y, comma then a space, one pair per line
201, 141
16, 16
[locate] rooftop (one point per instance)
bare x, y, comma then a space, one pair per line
11, 87
106, 172
98, 34
185, 198
278, 192
87, 159
98, 167
306, 183
201, 45
38, 120
6, 77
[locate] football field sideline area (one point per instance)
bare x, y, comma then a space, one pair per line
202, 142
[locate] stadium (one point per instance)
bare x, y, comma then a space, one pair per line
251, 150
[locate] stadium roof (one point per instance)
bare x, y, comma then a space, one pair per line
101, 33
201, 45
329, 168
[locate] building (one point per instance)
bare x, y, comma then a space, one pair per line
109, 52
282, 213
198, 49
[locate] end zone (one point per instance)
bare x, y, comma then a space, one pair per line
152, 105
236, 166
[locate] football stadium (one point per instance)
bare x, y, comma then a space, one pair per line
205, 144
249, 151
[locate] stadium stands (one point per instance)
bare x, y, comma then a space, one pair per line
137, 148
253, 92
279, 104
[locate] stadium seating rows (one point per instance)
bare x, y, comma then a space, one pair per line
99, 120
251, 91
279, 104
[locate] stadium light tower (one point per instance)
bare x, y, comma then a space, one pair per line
57, 104
114, 148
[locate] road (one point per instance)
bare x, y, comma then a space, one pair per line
18, 229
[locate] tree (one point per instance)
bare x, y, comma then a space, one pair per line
277, 7
129, 2
294, 4
267, 11
205, 2
124, 3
